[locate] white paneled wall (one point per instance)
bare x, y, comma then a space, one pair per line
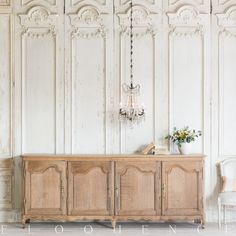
63, 63
5, 84
147, 22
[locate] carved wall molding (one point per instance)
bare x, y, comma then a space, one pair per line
223, 2
74, 2
187, 21
186, 31
123, 2
5, 2
38, 22
89, 22
26, 2
227, 19
227, 32
145, 22
185, 15
138, 33
173, 2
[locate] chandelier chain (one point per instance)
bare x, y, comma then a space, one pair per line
131, 111
131, 43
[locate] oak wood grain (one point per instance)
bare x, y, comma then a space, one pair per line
113, 187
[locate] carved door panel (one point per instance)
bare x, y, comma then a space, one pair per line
45, 187
138, 188
182, 188
90, 188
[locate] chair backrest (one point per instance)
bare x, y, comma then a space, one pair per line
228, 168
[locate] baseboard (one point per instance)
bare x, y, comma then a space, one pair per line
10, 216
212, 215
14, 216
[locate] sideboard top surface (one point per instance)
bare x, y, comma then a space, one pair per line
112, 157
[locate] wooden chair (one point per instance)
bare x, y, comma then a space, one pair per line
227, 198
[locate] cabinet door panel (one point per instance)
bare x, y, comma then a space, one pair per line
138, 188
90, 188
182, 188
45, 186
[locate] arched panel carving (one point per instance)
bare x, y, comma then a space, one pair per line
186, 21
101, 2
145, 21
37, 18
89, 22
51, 2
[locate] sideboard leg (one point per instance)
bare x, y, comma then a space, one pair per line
203, 224
23, 222
113, 222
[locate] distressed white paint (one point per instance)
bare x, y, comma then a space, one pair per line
39, 94
145, 71
89, 124
5, 85
67, 71
227, 80
186, 84
187, 75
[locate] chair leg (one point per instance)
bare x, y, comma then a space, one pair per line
224, 214
219, 214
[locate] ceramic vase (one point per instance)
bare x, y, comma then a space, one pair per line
185, 148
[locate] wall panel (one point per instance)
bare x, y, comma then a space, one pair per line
89, 43
223, 96
186, 83
89, 117
145, 71
38, 94
39, 79
226, 79
227, 96
5, 85
6, 184
186, 70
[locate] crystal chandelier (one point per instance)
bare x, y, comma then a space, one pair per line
131, 111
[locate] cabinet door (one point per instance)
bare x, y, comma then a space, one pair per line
90, 188
182, 188
45, 187
138, 188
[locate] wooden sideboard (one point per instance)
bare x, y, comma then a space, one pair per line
113, 187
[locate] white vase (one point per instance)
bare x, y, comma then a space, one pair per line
185, 148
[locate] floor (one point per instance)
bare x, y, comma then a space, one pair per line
129, 229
